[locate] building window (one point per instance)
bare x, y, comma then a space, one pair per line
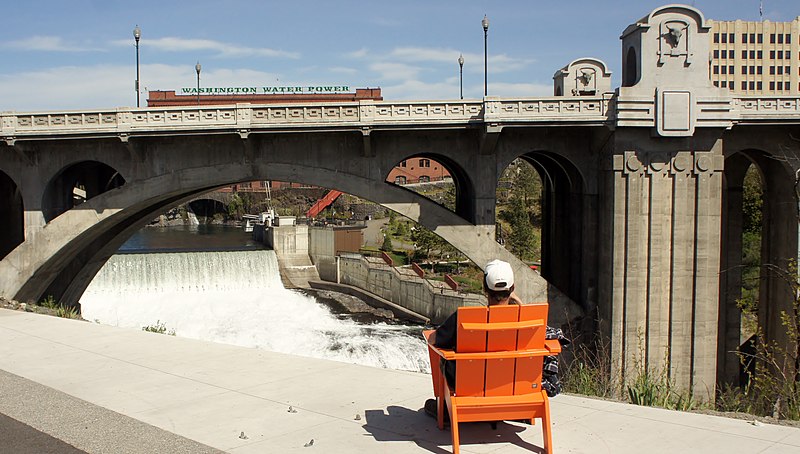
731, 54
724, 38
424, 178
772, 55
744, 69
399, 179
772, 38
780, 55
730, 70
716, 84
787, 70
771, 70
731, 38
752, 38
424, 162
788, 39
772, 85
780, 70
716, 53
744, 85
744, 38
744, 54
760, 54
780, 38
716, 38
716, 69
759, 85
752, 85
403, 163
760, 69
724, 70
724, 84
752, 55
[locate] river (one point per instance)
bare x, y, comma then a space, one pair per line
214, 283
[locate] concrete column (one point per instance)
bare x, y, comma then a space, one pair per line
683, 269
664, 291
659, 279
708, 168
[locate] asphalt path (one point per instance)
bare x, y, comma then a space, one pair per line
38, 419
19, 438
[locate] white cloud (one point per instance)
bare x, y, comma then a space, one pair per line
342, 70
173, 44
472, 62
418, 90
108, 86
360, 53
47, 44
395, 71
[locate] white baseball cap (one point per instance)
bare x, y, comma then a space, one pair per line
499, 275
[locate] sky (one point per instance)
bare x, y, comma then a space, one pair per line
80, 55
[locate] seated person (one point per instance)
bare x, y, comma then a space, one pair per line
498, 284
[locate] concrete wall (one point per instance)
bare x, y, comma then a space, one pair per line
321, 249
404, 288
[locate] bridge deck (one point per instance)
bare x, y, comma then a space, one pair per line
237, 400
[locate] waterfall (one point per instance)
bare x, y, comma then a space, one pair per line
236, 297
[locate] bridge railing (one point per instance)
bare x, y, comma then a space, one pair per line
349, 114
605, 109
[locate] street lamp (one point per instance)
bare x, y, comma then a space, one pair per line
461, 74
197, 68
485, 23
137, 33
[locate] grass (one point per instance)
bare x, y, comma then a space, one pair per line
60, 310
159, 328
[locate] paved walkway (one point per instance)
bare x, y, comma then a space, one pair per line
105, 389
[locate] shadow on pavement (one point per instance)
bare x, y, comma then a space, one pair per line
403, 424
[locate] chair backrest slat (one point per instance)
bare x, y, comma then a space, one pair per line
500, 372
500, 328
470, 373
528, 372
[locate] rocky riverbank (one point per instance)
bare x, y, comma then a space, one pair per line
35, 308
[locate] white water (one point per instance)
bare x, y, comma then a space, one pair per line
237, 298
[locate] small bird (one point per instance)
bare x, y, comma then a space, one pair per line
243, 436
291, 409
310, 443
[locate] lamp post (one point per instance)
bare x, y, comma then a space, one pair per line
461, 74
485, 23
137, 33
197, 68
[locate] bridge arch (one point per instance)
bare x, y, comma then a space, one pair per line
563, 218
778, 248
464, 188
80, 241
12, 213
76, 184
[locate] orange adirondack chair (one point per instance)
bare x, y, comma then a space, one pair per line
499, 356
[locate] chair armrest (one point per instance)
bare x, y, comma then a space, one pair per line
553, 346
443, 352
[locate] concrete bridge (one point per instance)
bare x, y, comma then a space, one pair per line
642, 205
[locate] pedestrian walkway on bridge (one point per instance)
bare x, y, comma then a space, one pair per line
106, 389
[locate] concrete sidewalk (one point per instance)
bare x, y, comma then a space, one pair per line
192, 393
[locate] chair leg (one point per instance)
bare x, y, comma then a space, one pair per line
547, 437
440, 412
454, 429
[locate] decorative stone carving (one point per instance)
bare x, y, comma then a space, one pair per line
670, 43
582, 77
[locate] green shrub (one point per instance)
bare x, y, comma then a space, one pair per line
160, 328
